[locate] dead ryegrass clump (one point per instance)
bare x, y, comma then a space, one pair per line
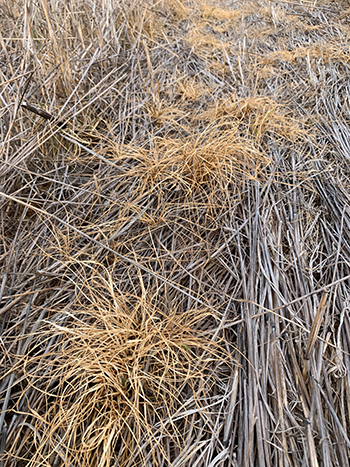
323, 51
190, 162
218, 13
256, 119
174, 246
121, 383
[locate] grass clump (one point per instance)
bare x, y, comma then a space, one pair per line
121, 381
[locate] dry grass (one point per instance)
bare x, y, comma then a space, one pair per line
174, 215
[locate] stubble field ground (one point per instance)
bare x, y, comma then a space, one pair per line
174, 224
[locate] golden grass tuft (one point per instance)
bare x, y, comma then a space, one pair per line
113, 385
